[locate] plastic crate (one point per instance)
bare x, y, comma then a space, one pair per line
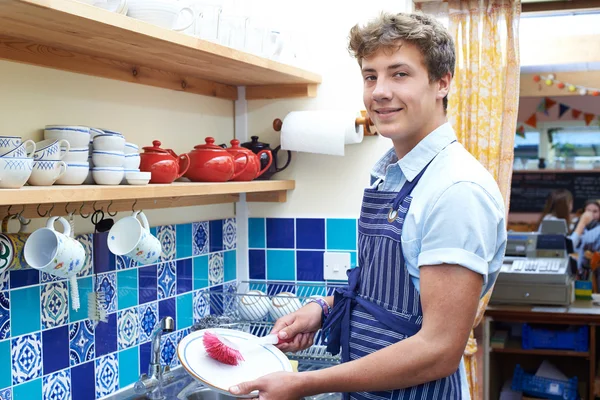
572, 338
543, 387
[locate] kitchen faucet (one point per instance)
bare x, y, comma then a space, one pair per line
152, 382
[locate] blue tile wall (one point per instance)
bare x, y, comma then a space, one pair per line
57, 353
291, 249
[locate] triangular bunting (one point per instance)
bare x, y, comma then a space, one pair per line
549, 103
542, 107
562, 109
521, 131
576, 113
532, 121
588, 118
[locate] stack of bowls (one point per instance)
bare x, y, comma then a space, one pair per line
132, 161
16, 163
108, 157
75, 155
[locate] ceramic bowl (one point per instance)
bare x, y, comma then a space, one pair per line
77, 136
131, 148
137, 177
127, 171
76, 174
254, 306
108, 176
283, 304
79, 155
132, 161
14, 172
108, 142
94, 132
108, 158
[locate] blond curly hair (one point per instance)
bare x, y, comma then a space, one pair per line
422, 30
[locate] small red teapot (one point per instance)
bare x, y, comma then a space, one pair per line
164, 165
253, 169
212, 163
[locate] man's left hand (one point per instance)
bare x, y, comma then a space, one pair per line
276, 386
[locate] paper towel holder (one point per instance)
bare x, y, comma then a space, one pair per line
364, 120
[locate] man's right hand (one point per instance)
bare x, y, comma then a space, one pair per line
298, 328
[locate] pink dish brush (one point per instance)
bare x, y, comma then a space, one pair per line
223, 350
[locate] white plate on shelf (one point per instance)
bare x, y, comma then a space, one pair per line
259, 360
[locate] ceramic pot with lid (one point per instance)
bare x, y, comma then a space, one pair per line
164, 165
254, 169
257, 147
212, 163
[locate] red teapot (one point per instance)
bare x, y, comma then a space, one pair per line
212, 163
164, 165
253, 169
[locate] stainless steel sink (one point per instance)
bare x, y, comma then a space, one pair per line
207, 394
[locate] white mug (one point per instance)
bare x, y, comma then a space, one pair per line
53, 252
51, 149
45, 173
132, 238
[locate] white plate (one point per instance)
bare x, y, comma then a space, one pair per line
259, 360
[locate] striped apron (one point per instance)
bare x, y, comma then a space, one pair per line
381, 306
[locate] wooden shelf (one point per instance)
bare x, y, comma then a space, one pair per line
38, 200
77, 37
556, 171
514, 347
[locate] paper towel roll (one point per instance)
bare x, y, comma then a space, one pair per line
322, 132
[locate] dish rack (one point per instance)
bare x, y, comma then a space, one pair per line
254, 306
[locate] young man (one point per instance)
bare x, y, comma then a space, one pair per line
431, 237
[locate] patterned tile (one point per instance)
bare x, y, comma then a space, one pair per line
4, 280
6, 394
200, 238
216, 271
88, 244
108, 284
26, 354
167, 273
4, 315
81, 342
55, 304
128, 328
168, 349
166, 236
229, 234
57, 386
229, 290
107, 375
46, 278
124, 262
201, 304
147, 317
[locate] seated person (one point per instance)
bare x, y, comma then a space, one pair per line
588, 221
558, 206
588, 245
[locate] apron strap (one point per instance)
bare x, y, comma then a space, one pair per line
339, 317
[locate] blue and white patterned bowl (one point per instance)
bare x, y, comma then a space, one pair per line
108, 176
77, 136
76, 173
14, 172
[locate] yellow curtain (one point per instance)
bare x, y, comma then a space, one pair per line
483, 102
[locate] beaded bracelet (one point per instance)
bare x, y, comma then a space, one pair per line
324, 306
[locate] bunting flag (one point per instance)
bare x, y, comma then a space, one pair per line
588, 118
545, 104
532, 121
562, 110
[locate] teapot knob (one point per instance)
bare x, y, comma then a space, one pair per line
156, 143
209, 140
254, 139
235, 143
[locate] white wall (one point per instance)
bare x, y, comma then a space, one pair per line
33, 97
326, 186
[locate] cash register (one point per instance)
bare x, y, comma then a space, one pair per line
536, 270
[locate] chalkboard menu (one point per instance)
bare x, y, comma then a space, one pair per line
530, 189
